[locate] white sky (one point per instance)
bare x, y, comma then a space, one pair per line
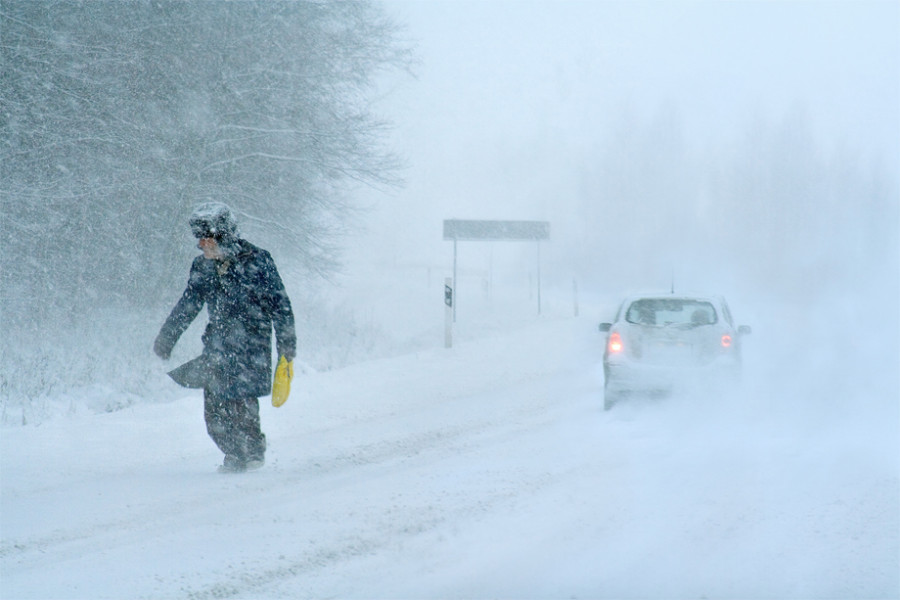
509, 95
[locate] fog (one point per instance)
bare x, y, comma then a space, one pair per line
747, 148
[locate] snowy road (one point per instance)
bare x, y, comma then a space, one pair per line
488, 470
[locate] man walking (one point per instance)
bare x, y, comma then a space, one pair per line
245, 299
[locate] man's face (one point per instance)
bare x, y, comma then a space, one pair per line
210, 248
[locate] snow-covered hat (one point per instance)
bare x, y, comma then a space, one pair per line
213, 219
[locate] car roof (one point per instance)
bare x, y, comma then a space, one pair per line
713, 298
717, 301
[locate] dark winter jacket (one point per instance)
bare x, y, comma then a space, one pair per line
245, 298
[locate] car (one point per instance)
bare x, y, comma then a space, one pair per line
660, 342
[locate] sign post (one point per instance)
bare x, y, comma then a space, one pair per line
448, 313
497, 231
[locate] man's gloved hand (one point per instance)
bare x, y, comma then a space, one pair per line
281, 387
161, 348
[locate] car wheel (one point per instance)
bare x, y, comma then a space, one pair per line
610, 398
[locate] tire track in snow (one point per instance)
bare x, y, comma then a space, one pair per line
393, 524
472, 417
158, 519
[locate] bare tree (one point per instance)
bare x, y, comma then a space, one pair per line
115, 121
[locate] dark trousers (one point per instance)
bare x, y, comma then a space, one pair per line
234, 426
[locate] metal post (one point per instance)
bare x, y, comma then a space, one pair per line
539, 276
455, 279
448, 312
575, 295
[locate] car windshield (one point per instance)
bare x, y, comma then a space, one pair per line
671, 311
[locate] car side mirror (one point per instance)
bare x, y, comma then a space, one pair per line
744, 329
605, 326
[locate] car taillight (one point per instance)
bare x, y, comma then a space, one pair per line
614, 345
726, 341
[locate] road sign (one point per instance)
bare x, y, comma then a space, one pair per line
460, 230
487, 231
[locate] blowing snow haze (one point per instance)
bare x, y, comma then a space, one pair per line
744, 148
748, 149
754, 141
